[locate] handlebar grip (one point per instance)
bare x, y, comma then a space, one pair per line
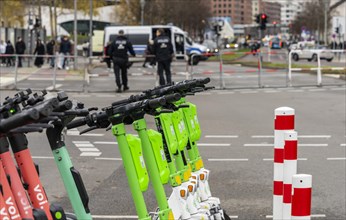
54, 102
120, 102
155, 103
45, 109
18, 120
172, 97
76, 123
64, 106
204, 81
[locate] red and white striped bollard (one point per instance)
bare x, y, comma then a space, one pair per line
290, 169
284, 121
301, 197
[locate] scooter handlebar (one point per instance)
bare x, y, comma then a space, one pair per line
76, 123
18, 120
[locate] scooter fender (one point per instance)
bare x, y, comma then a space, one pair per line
175, 204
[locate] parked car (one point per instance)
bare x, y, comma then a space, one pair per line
311, 53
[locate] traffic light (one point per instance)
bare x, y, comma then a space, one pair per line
337, 30
257, 19
263, 21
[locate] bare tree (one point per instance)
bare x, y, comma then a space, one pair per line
312, 17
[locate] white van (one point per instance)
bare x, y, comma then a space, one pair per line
140, 35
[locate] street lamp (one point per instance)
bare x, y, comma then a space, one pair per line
142, 2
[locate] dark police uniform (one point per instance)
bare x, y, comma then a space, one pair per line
163, 51
118, 51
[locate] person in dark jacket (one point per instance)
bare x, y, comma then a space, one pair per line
108, 55
65, 49
118, 51
40, 51
149, 55
51, 52
9, 51
164, 53
20, 50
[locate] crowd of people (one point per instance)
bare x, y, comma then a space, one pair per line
8, 51
158, 52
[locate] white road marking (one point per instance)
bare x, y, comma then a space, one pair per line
314, 136
337, 89
87, 149
312, 145
248, 92
86, 134
262, 136
203, 93
106, 142
221, 136
316, 90
84, 145
296, 90
41, 157
225, 93
52, 87
105, 96
342, 145
271, 91
227, 159
213, 145
81, 96
258, 145
336, 158
107, 158
90, 154
80, 142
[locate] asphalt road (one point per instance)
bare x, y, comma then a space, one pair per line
236, 144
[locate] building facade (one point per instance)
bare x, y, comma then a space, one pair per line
272, 9
240, 11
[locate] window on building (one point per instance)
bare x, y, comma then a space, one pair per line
219, 11
224, 11
230, 5
229, 11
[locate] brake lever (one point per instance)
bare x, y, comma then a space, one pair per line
87, 130
109, 128
40, 125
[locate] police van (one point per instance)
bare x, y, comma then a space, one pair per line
140, 36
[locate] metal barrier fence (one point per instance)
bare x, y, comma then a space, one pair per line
249, 71
44, 72
239, 75
316, 56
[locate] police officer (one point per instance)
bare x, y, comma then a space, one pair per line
118, 52
164, 53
